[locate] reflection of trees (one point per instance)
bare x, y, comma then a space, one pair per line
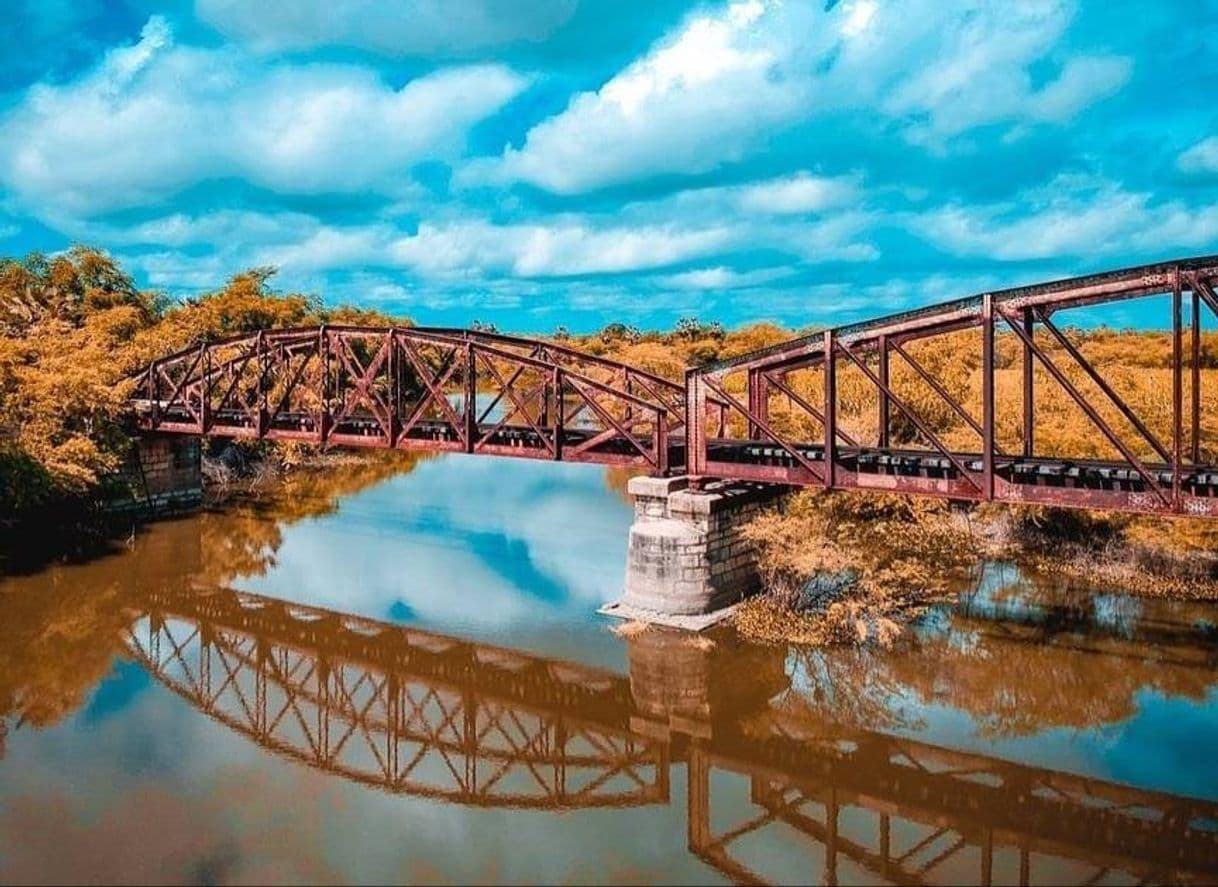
1019, 658
1022, 685
841, 689
242, 540
617, 477
62, 627
61, 630
1057, 661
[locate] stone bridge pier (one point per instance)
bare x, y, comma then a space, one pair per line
688, 560
163, 475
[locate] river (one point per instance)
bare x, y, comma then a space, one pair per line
397, 675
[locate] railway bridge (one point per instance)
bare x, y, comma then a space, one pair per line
779, 415
952, 401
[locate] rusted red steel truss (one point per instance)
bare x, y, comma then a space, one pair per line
463, 391
1147, 472
418, 389
415, 713
398, 709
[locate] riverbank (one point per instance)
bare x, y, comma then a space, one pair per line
284, 481
857, 569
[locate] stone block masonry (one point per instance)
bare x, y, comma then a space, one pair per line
687, 555
163, 475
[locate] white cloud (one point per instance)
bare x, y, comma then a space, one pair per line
245, 227
392, 27
720, 277
1082, 81
153, 119
548, 250
1201, 157
697, 99
727, 81
1069, 217
973, 68
857, 17
462, 247
800, 193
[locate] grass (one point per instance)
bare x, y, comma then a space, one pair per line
631, 629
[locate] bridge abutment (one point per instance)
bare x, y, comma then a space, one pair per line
687, 559
164, 475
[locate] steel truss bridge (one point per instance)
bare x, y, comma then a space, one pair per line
415, 713
474, 392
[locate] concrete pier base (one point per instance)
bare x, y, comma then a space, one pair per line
688, 562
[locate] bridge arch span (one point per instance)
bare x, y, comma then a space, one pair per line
417, 388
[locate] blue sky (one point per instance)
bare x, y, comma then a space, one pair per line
577, 162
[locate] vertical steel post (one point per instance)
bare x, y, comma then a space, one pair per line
661, 443
202, 362
394, 386
262, 411
1177, 389
154, 391
697, 797
323, 356
883, 419
471, 397
695, 424
885, 845
987, 396
1196, 371
832, 813
758, 391
1029, 394
558, 412
205, 390
830, 409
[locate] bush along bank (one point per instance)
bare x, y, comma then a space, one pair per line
857, 568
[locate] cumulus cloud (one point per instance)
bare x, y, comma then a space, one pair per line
729, 80
465, 248
800, 193
774, 214
1069, 217
561, 248
392, 27
699, 98
1201, 157
976, 69
720, 277
154, 118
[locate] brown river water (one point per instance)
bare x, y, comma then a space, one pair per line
392, 675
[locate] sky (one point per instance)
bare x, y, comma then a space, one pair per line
579, 162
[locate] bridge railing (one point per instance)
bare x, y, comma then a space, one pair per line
944, 401
415, 388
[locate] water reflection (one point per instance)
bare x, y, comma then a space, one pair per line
301, 692
400, 709
422, 714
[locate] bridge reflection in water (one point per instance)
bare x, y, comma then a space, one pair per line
416, 713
